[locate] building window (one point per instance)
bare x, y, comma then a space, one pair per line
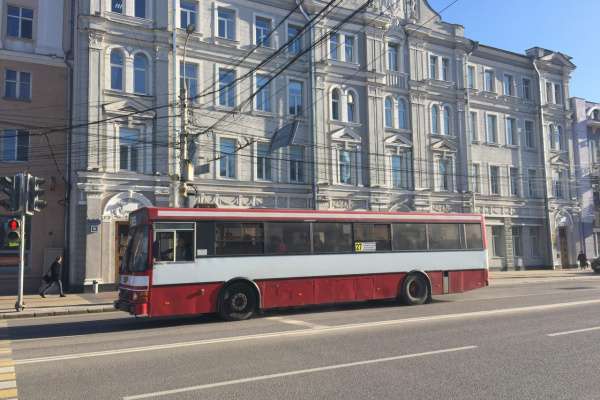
549, 89
529, 139
433, 67
226, 23
445, 69
116, 6
226, 87
514, 182
263, 31
495, 180
497, 239
492, 129
334, 46
351, 106
473, 126
489, 81
263, 95
526, 89
401, 171
140, 74
435, 120
335, 104
446, 119
345, 167
227, 160
188, 75
14, 145
140, 9
392, 54
402, 114
293, 34
516, 240
128, 149
559, 180
511, 132
296, 164
471, 77
17, 85
560, 138
188, 13
557, 93
116, 70
532, 183
508, 85
534, 234
476, 178
19, 22
295, 101
349, 45
445, 174
263, 162
389, 112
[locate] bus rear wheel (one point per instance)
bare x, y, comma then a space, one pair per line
237, 302
415, 290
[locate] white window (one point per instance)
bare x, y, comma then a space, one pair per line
435, 120
335, 104
128, 149
345, 167
471, 77
446, 121
473, 126
476, 178
17, 85
389, 112
489, 81
226, 23
433, 67
140, 74
526, 89
508, 85
351, 106
349, 48
295, 98
227, 87
511, 132
516, 239
445, 69
116, 6
188, 75
263, 95
294, 34
227, 160
402, 113
492, 128
263, 28
529, 135
188, 14
140, 9
296, 164
401, 170
497, 241
19, 22
116, 70
495, 180
445, 175
514, 182
334, 46
549, 89
558, 93
392, 54
14, 145
532, 183
263, 162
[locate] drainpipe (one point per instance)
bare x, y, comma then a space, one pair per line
474, 46
545, 178
312, 97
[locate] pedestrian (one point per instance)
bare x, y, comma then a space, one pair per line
582, 260
53, 276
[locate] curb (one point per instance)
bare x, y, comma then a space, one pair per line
525, 280
59, 311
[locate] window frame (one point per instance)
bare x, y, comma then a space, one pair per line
18, 83
298, 107
527, 94
511, 131
513, 180
146, 72
191, 15
529, 134
17, 133
20, 21
471, 76
264, 162
230, 24
296, 164
296, 45
495, 128
133, 147
510, 89
393, 64
262, 101
495, 180
120, 68
476, 178
184, 78
491, 88
227, 92
266, 39
156, 230
231, 172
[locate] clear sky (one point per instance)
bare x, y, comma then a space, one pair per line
571, 27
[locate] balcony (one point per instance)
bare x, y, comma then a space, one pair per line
397, 79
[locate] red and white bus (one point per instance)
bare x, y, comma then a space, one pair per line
236, 262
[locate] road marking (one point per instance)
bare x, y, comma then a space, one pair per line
7, 369
297, 322
8, 378
305, 332
296, 372
595, 328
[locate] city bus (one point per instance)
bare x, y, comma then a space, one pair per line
236, 262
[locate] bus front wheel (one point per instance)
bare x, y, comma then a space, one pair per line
237, 302
415, 290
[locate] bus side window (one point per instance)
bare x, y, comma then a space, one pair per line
409, 237
164, 246
473, 236
205, 239
233, 238
378, 233
444, 236
287, 237
185, 246
332, 237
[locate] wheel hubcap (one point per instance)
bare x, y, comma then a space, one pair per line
413, 289
239, 301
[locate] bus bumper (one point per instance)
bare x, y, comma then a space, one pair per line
131, 308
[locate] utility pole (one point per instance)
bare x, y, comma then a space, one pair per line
186, 168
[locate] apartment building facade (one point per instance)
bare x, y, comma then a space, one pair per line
396, 110
33, 115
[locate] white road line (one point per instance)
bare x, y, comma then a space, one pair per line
307, 332
297, 322
296, 372
5, 370
8, 385
595, 328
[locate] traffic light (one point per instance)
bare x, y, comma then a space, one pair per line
12, 186
13, 233
35, 203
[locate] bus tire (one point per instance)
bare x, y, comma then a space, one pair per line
415, 290
237, 302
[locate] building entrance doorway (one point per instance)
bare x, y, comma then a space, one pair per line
564, 247
122, 229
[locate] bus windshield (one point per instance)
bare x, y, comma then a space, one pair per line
136, 258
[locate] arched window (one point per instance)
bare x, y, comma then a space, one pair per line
597, 115
402, 114
435, 120
446, 120
389, 116
335, 104
140, 74
351, 106
116, 70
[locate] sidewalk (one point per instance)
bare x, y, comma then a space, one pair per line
36, 306
535, 276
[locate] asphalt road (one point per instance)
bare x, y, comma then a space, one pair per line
522, 341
